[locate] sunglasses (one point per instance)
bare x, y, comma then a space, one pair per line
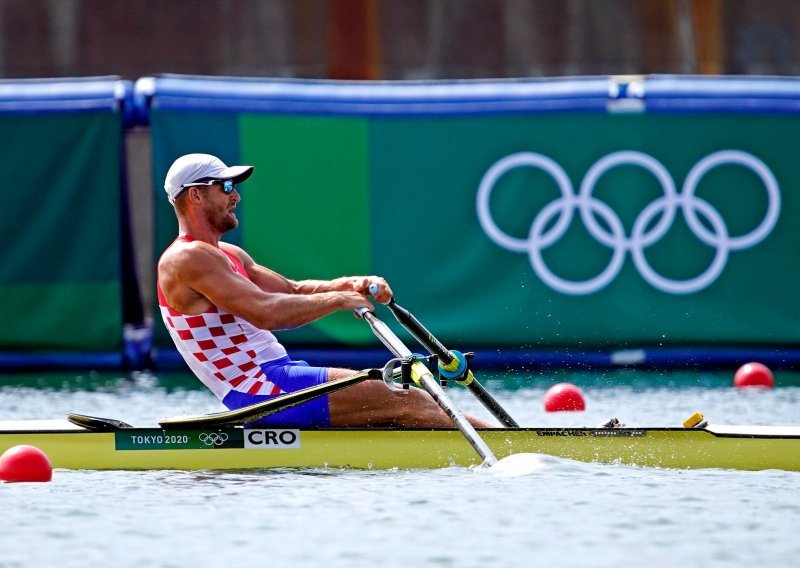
227, 185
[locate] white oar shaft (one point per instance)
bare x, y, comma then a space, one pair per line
446, 357
431, 385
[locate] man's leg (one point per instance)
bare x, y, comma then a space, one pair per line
370, 403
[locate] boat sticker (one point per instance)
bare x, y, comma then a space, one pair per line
157, 439
597, 432
271, 439
619, 432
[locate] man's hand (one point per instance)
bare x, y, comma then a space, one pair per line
352, 300
361, 284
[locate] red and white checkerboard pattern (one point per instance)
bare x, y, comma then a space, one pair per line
218, 347
224, 351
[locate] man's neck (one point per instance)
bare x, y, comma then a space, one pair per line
199, 232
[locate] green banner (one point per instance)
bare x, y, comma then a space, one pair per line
60, 274
573, 229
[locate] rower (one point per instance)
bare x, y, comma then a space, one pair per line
220, 307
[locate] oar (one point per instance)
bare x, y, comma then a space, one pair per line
452, 364
422, 376
271, 406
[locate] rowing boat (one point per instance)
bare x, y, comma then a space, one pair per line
73, 446
219, 441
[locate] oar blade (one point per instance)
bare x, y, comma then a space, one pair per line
517, 465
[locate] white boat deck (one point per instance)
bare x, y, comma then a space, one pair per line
37, 425
733, 430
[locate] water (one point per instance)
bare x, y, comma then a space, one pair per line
567, 514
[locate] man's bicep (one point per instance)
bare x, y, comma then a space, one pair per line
264, 278
227, 290
210, 275
270, 281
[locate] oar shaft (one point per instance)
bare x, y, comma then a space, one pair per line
435, 347
420, 332
490, 403
431, 385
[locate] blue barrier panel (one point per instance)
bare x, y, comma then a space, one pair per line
741, 95
183, 93
67, 277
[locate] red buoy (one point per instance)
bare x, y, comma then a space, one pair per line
564, 397
25, 463
754, 375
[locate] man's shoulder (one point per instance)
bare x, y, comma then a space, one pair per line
238, 252
232, 249
192, 254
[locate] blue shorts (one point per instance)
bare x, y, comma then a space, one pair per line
289, 376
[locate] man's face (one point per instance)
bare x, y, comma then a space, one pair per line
219, 206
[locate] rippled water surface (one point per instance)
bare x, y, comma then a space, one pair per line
567, 514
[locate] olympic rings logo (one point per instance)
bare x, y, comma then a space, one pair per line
562, 210
213, 439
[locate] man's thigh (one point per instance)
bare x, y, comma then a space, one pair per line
370, 403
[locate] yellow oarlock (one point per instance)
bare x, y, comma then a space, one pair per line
418, 370
466, 381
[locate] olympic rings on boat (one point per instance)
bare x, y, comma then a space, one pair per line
213, 438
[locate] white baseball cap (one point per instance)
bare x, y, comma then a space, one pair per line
200, 168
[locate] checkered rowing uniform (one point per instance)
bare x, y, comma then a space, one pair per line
224, 351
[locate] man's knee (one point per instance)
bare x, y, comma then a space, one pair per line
338, 373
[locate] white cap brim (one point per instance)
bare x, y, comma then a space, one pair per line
200, 168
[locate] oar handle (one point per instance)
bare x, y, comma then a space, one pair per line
361, 311
373, 290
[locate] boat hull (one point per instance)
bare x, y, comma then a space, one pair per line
67, 446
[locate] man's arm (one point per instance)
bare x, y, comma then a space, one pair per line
270, 281
205, 271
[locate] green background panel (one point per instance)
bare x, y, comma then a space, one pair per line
307, 214
62, 316
397, 197
60, 274
62, 217
426, 175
